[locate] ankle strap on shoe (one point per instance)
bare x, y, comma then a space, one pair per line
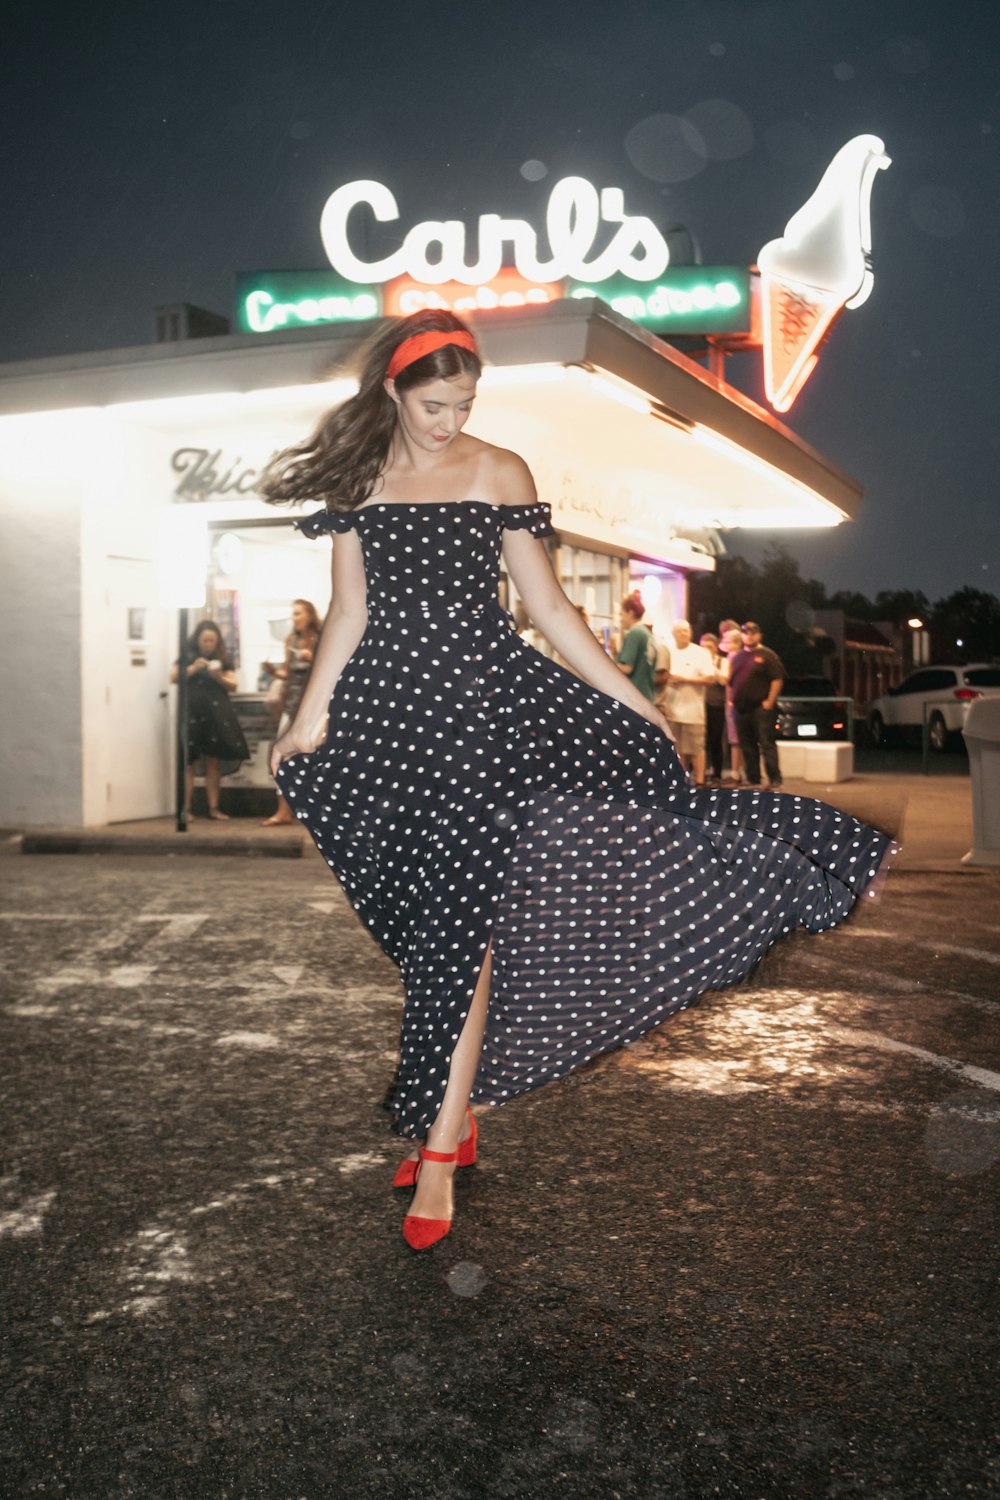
426, 1155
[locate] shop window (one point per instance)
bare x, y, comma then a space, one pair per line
595, 580
256, 571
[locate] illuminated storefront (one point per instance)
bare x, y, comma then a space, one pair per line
111, 464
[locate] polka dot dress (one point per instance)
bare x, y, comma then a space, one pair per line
470, 789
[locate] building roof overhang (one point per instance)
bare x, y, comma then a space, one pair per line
594, 383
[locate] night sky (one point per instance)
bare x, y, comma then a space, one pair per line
153, 152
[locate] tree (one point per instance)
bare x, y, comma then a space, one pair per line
855, 606
728, 593
966, 627
901, 605
774, 594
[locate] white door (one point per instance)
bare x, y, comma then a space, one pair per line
137, 720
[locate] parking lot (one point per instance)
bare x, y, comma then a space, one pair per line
751, 1255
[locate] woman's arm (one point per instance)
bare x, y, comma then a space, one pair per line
198, 665
281, 672
554, 615
345, 625
528, 564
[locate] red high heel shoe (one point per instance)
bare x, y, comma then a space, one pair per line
406, 1174
419, 1233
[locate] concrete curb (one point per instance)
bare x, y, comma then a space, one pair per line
274, 845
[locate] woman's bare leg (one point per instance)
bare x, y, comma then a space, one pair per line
188, 788
212, 782
433, 1197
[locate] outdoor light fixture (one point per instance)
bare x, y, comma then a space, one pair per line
495, 376
821, 512
609, 386
319, 393
228, 553
183, 557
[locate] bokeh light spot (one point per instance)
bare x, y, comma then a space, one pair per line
724, 128
790, 143
937, 211
533, 170
666, 148
962, 1135
717, 49
466, 1279
907, 54
843, 72
800, 615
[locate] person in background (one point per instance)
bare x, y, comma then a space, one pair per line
730, 645
691, 671
637, 656
715, 711
662, 680
214, 735
755, 679
300, 648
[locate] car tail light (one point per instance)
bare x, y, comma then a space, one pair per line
838, 723
964, 694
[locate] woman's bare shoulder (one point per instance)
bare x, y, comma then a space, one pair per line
504, 477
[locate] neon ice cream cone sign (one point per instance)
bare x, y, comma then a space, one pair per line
592, 246
819, 266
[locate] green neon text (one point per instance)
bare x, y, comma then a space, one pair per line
671, 302
263, 313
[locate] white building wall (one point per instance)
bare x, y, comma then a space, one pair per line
126, 703
41, 460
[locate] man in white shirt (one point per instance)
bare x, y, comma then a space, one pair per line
691, 671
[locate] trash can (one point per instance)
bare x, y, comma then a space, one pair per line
982, 735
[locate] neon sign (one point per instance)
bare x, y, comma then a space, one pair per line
507, 289
819, 266
294, 299
688, 300
575, 213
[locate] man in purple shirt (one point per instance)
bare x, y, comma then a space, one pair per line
755, 678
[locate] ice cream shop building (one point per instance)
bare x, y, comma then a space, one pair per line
124, 471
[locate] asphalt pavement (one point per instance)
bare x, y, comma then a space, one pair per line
752, 1255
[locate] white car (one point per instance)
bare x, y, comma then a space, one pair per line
939, 696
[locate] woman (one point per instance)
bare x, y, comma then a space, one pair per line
715, 707
479, 803
731, 645
213, 732
300, 648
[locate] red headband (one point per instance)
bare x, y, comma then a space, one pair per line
412, 349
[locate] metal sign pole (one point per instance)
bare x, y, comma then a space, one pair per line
182, 717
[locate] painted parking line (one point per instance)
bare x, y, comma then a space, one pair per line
984, 955
50, 916
982, 1076
895, 983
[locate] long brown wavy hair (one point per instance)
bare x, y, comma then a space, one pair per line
343, 460
193, 652
315, 623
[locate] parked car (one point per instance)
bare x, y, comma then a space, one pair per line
943, 694
802, 713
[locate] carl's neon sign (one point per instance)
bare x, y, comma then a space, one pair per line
435, 250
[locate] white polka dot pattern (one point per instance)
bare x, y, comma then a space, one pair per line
469, 788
